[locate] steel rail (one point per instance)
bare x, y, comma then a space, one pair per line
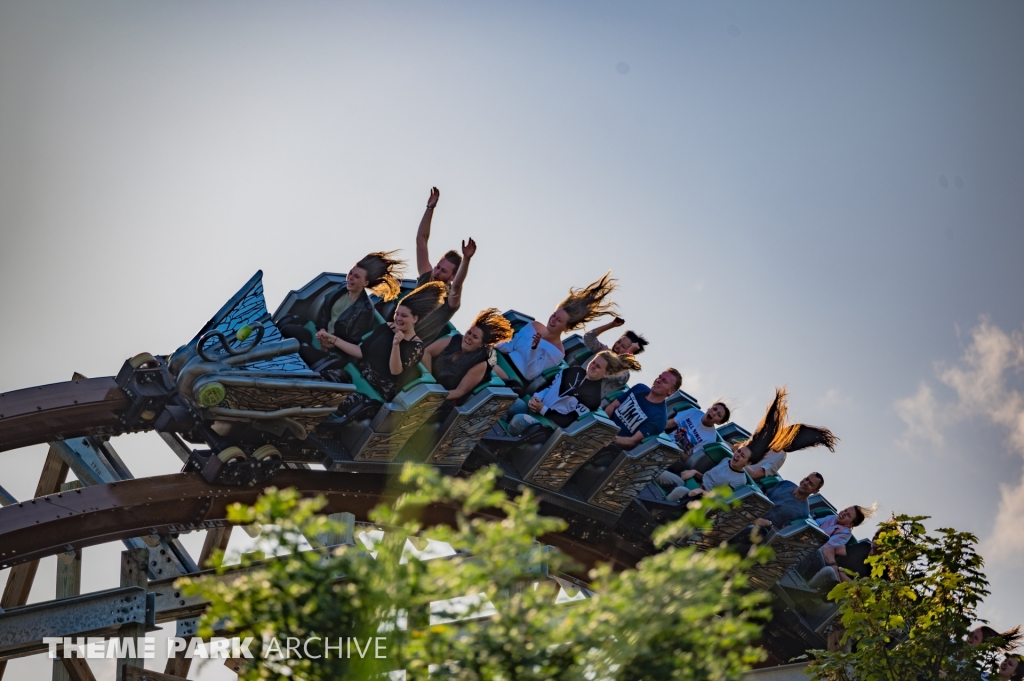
184, 502
58, 411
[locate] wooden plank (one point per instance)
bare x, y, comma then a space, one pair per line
217, 538
21, 577
133, 673
77, 668
238, 665
69, 583
19, 582
178, 666
133, 573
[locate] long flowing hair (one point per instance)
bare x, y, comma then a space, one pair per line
1006, 641
494, 326
587, 304
765, 433
425, 299
382, 270
616, 364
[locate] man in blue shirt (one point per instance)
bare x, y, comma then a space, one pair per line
641, 412
790, 503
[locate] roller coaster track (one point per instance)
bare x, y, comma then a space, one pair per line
65, 522
275, 403
173, 503
87, 406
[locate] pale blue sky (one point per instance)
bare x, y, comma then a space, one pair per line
823, 195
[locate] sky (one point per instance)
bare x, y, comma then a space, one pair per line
828, 196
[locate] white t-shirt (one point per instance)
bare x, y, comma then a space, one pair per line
771, 463
531, 361
718, 476
690, 426
721, 475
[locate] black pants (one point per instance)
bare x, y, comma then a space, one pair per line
317, 360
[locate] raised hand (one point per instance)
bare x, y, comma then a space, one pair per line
435, 194
468, 250
618, 321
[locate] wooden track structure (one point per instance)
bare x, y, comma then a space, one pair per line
77, 418
63, 518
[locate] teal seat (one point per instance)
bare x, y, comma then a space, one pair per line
493, 382
682, 405
553, 371
617, 394
770, 481
581, 356
363, 386
510, 371
717, 452
424, 377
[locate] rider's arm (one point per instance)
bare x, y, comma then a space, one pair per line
423, 234
629, 442
432, 351
469, 381
455, 295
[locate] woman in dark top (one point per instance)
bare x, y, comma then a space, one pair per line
388, 358
460, 363
347, 312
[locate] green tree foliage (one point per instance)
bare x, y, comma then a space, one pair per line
487, 613
909, 619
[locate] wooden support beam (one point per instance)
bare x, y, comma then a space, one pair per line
69, 583
19, 581
133, 573
178, 664
238, 665
77, 668
133, 673
217, 538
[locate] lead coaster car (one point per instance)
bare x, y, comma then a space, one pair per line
246, 385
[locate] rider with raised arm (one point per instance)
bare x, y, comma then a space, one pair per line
630, 343
537, 347
451, 269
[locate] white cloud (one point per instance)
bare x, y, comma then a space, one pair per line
1007, 538
921, 413
982, 380
832, 398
